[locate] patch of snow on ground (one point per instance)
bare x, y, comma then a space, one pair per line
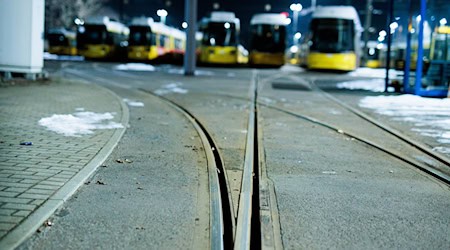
171, 88
180, 71
375, 85
79, 123
48, 56
135, 67
442, 150
430, 116
133, 103
378, 73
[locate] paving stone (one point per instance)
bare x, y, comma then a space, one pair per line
22, 213
7, 211
15, 189
6, 226
10, 219
15, 200
46, 187
37, 202
8, 194
33, 196
39, 191
19, 206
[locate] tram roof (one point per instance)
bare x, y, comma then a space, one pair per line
338, 11
111, 24
157, 27
224, 16
269, 18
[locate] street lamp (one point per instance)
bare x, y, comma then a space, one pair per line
297, 37
296, 8
162, 13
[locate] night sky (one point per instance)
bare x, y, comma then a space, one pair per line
244, 9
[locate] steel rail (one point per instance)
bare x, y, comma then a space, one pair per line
244, 216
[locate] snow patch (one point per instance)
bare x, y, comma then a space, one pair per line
376, 85
79, 123
430, 116
53, 57
135, 67
378, 73
180, 71
133, 103
171, 88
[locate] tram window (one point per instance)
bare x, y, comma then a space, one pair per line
140, 36
162, 40
268, 38
332, 35
215, 34
95, 34
57, 39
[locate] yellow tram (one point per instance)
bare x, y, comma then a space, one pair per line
102, 38
334, 43
150, 40
62, 42
220, 41
268, 39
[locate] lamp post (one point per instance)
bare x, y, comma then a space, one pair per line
296, 8
162, 13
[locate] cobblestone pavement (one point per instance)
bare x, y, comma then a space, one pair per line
35, 179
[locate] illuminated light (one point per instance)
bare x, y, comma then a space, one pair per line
379, 46
293, 49
78, 21
184, 25
285, 14
371, 51
288, 21
162, 13
216, 6
267, 7
298, 35
443, 21
296, 7
227, 25
382, 33
413, 31
393, 25
418, 18
381, 38
81, 29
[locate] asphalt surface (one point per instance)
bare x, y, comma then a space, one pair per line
331, 191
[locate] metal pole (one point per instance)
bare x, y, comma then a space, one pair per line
419, 61
388, 56
294, 27
190, 13
406, 70
367, 24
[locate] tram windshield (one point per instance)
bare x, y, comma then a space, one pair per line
441, 47
331, 35
141, 35
219, 34
57, 40
268, 38
94, 34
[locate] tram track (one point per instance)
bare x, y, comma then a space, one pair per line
440, 171
255, 226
